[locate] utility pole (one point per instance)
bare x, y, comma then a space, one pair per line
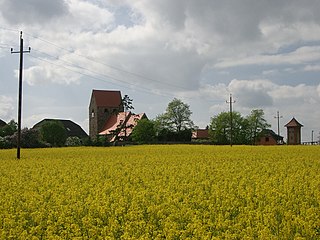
278, 118
21, 52
231, 121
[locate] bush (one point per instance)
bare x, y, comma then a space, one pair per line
73, 142
166, 135
5, 143
30, 138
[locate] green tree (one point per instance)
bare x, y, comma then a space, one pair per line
176, 118
53, 132
9, 129
257, 123
220, 129
127, 105
144, 132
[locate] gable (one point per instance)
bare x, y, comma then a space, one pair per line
293, 123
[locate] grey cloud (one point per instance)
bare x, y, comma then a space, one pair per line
252, 94
32, 11
231, 21
253, 98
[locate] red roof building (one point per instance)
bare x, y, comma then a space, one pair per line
121, 125
103, 105
202, 134
269, 137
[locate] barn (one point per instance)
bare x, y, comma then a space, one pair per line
269, 137
72, 128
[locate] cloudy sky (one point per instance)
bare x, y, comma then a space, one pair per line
265, 53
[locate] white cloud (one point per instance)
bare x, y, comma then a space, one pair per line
312, 68
44, 73
263, 93
300, 56
6, 108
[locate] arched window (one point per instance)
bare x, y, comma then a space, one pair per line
92, 113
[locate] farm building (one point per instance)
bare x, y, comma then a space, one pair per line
72, 129
107, 116
293, 132
269, 137
200, 134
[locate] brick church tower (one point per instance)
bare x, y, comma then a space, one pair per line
293, 132
103, 104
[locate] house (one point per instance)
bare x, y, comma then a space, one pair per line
2, 123
103, 105
200, 134
72, 129
120, 125
269, 137
293, 132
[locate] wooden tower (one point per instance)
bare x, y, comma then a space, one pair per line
293, 132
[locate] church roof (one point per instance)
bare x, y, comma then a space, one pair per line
107, 98
293, 123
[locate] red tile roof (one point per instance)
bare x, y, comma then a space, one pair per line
116, 120
293, 123
106, 98
113, 122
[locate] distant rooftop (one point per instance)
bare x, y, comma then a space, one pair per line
72, 129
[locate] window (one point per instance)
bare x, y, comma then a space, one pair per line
92, 113
267, 139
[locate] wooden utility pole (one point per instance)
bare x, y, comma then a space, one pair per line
231, 121
278, 118
21, 52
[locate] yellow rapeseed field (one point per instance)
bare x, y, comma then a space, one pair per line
161, 192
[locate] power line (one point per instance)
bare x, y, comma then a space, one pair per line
95, 74
125, 84
89, 72
108, 65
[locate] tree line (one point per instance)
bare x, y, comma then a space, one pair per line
174, 125
50, 134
